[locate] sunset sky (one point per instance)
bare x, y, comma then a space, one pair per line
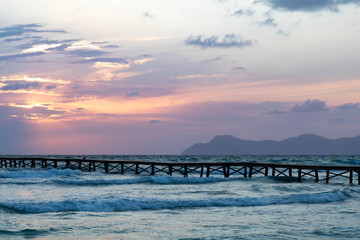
156, 76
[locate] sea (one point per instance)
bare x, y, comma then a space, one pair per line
72, 204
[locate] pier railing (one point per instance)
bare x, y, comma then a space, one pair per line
227, 169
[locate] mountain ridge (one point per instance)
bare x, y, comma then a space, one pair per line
305, 144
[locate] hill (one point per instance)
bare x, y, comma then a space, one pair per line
307, 144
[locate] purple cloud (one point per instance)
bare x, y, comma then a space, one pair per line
310, 106
228, 41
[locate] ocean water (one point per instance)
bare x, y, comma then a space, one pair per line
71, 204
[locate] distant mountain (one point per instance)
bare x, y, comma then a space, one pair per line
307, 144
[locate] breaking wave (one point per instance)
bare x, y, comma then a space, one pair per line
119, 204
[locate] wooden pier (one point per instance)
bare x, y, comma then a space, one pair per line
226, 169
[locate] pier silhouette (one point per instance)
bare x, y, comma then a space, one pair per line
318, 173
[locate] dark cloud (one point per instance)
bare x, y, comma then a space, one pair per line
49, 87
242, 12
148, 15
276, 112
154, 121
145, 56
13, 39
280, 32
348, 106
112, 60
310, 106
239, 68
87, 53
18, 30
228, 41
308, 5
18, 86
20, 55
112, 46
268, 22
133, 94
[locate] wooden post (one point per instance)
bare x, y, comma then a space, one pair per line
327, 175
266, 171
273, 171
316, 175
351, 177
185, 171
89, 166
152, 169
208, 171
33, 163
224, 171
1, 163
106, 166
122, 169
170, 170
299, 175
290, 172
245, 172
202, 171
250, 171
137, 169
55, 163
79, 162
67, 163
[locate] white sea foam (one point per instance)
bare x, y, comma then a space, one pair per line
119, 204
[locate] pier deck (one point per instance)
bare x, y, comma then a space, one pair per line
227, 169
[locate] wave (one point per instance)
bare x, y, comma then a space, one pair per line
118, 204
16, 173
79, 178
161, 180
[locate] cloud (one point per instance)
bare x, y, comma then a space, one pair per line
87, 53
18, 30
348, 106
242, 12
194, 76
20, 55
239, 68
109, 60
49, 87
276, 112
13, 39
310, 106
133, 94
154, 121
19, 77
112, 46
148, 15
228, 41
18, 86
268, 22
308, 5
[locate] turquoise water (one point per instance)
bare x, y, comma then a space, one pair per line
71, 204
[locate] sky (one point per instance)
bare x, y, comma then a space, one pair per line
157, 76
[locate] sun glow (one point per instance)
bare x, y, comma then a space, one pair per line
41, 48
